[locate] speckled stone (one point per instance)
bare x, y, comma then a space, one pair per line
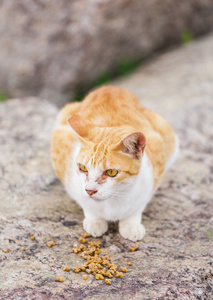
175, 259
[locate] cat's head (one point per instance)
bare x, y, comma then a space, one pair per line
109, 157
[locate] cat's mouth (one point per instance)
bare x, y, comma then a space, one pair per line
98, 198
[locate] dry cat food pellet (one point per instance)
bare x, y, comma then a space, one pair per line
23, 249
132, 249
119, 274
32, 237
77, 269
123, 269
50, 244
60, 279
99, 276
66, 268
109, 274
76, 250
85, 235
82, 240
129, 263
113, 267
107, 281
6, 250
98, 266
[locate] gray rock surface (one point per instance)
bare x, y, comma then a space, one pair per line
53, 49
175, 259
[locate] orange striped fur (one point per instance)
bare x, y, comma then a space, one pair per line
114, 113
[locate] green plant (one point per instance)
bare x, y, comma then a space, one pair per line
3, 96
186, 36
103, 78
79, 96
126, 66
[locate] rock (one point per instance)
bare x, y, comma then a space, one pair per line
175, 258
174, 83
54, 49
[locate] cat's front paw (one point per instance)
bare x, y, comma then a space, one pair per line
132, 232
95, 227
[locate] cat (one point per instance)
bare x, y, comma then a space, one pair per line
111, 153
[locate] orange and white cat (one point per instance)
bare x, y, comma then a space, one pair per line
111, 153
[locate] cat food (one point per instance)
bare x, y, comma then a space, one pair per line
123, 269
77, 269
76, 250
99, 276
60, 279
66, 268
85, 235
50, 244
23, 249
107, 281
130, 263
96, 265
6, 250
132, 249
119, 274
82, 240
32, 237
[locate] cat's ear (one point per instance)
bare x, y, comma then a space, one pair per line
79, 125
133, 144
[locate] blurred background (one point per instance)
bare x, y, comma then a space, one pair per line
59, 49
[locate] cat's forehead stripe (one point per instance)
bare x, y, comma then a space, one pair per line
99, 153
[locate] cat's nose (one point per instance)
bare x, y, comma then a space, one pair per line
91, 192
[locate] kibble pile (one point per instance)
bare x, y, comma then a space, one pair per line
99, 266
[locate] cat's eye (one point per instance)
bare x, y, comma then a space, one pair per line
112, 172
82, 168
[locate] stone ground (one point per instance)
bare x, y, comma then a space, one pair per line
175, 259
